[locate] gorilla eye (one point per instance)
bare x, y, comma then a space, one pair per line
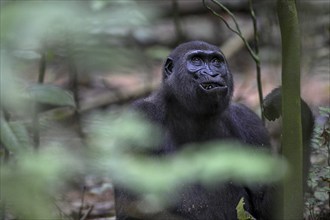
196, 60
216, 61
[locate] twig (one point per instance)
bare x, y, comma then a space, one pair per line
82, 202
35, 116
109, 97
256, 49
237, 31
254, 53
75, 91
42, 68
35, 125
3, 210
90, 209
62, 214
73, 78
234, 44
178, 29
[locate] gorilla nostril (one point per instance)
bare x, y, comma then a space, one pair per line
208, 73
205, 72
196, 75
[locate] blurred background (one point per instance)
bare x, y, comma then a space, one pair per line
66, 64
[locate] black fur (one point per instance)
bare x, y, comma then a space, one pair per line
194, 105
272, 106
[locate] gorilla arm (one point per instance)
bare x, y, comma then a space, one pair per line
248, 127
251, 130
273, 109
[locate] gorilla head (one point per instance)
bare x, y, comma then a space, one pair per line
196, 74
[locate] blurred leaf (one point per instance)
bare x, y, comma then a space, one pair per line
21, 133
117, 141
242, 214
119, 132
8, 137
28, 183
33, 19
50, 94
10, 89
215, 163
321, 195
98, 57
45, 21
27, 54
324, 111
98, 5
158, 52
92, 33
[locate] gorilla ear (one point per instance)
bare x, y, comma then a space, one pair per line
168, 67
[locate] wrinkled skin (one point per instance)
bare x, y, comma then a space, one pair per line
193, 105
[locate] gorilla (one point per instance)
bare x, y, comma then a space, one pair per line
193, 105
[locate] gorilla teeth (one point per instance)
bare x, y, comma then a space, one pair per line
209, 86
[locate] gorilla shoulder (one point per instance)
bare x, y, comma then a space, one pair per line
151, 107
247, 125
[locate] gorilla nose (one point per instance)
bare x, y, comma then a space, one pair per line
209, 73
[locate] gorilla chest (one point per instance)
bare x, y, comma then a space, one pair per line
195, 131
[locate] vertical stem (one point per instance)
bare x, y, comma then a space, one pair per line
3, 210
35, 117
328, 146
42, 68
82, 202
4, 116
257, 61
178, 29
292, 146
75, 90
74, 81
35, 125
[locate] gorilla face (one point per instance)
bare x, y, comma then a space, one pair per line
197, 75
209, 70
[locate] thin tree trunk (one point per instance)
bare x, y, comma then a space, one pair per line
292, 146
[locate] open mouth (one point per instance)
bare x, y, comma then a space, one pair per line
212, 85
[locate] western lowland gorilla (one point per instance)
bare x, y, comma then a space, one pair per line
193, 105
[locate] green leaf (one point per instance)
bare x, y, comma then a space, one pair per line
21, 133
14, 136
324, 110
158, 52
28, 183
8, 137
50, 94
241, 213
119, 139
98, 5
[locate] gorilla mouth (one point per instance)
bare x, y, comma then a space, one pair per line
208, 86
